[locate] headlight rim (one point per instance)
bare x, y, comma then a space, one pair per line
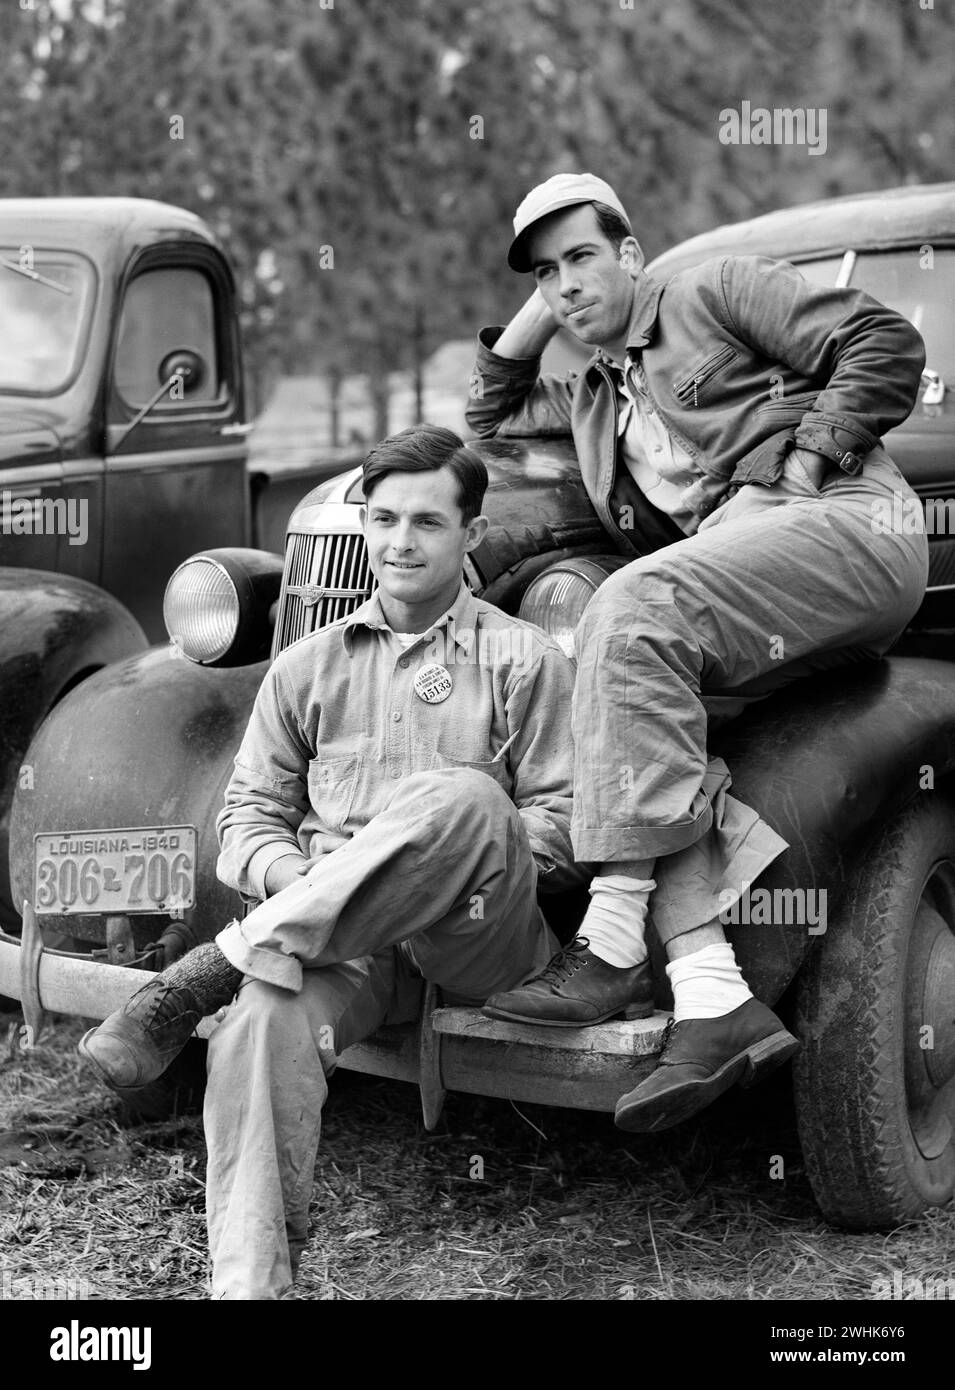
177, 638
255, 577
592, 569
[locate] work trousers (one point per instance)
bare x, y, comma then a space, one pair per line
779, 582
439, 886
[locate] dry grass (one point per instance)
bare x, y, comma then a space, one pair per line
568, 1208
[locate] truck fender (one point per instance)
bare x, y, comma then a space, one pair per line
149, 741
827, 763
56, 630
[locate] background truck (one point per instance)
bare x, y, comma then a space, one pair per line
113, 842
122, 443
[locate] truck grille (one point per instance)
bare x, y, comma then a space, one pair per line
326, 578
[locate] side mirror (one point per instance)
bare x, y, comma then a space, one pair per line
185, 363
182, 365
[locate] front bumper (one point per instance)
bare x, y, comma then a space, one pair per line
449, 1049
60, 982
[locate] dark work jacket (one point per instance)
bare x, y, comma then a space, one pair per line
743, 359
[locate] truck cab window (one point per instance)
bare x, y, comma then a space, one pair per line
166, 310
821, 272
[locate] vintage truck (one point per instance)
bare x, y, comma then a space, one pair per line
113, 842
122, 418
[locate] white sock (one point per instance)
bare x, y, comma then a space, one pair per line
615, 921
707, 983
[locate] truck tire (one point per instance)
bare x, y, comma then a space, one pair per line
875, 1078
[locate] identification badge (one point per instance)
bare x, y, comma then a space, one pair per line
432, 684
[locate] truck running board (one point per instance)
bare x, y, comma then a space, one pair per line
449, 1049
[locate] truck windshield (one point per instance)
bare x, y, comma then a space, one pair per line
45, 303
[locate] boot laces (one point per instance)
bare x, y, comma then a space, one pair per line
667, 1037
168, 1009
566, 963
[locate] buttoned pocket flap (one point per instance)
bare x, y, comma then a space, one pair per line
331, 788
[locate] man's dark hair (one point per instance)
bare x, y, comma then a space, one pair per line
611, 224
424, 448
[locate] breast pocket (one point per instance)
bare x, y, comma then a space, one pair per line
692, 389
331, 788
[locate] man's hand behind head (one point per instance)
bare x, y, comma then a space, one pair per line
529, 331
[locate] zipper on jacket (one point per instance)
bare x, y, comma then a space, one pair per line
614, 458
682, 389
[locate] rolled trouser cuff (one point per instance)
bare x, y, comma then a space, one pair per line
611, 843
272, 967
704, 882
704, 865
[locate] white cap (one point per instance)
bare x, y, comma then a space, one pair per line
562, 191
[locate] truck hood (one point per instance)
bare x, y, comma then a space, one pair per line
29, 437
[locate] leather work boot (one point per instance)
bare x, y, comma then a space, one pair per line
576, 988
136, 1044
701, 1058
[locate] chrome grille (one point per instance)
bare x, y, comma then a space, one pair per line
326, 578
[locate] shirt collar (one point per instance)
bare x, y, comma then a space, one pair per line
463, 614
643, 319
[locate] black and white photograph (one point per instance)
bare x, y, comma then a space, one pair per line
477, 664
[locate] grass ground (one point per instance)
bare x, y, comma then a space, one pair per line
500, 1204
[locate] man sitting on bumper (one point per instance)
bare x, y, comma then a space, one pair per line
403, 784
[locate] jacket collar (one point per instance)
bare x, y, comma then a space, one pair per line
643, 320
464, 613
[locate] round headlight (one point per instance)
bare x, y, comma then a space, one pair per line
556, 599
201, 609
217, 605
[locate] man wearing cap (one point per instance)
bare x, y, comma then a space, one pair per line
728, 432
403, 787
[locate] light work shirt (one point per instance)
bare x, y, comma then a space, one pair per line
660, 467
337, 724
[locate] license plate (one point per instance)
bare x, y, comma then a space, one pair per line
146, 869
